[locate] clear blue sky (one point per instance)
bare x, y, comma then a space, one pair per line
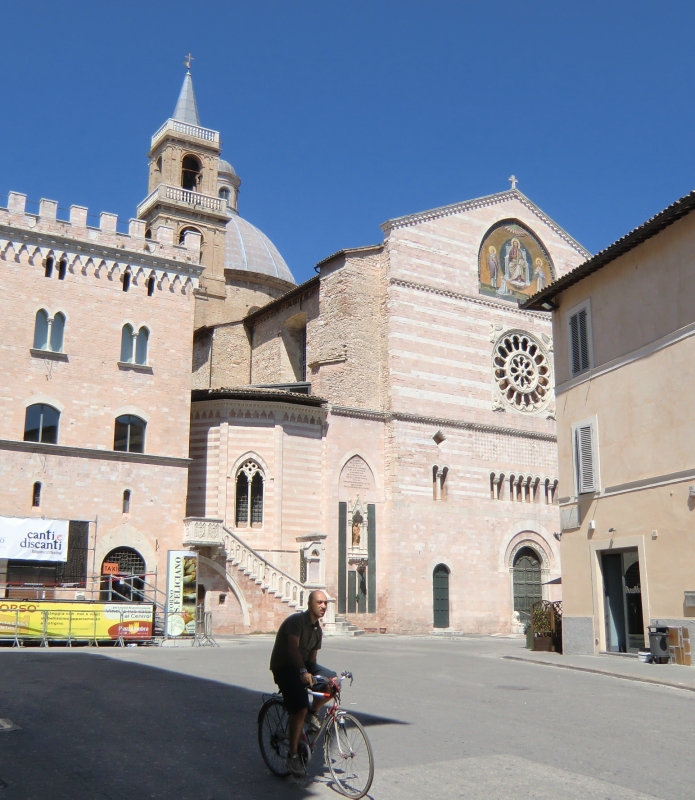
340, 115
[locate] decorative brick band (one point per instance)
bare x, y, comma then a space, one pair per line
423, 287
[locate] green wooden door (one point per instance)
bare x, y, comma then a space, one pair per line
440, 591
527, 582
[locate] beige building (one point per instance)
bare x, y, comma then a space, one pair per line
623, 325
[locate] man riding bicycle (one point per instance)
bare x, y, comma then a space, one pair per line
293, 664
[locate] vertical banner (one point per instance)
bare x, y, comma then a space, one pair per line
182, 592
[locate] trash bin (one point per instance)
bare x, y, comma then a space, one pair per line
658, 644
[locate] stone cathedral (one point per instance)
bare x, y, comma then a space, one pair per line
385, 429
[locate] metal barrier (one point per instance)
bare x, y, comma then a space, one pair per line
58, 631
203, 628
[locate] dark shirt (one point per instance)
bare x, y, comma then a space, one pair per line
310, 635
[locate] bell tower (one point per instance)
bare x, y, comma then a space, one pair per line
183, 205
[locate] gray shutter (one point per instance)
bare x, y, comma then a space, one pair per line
579, 342
584, 445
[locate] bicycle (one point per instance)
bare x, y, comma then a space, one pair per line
347, 751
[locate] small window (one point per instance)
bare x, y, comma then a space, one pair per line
41, 330
36, 495
129, 434
224, 194
62, 269
126, 501
191, 173
439, 488
585, 456
249, 495
127, 344
57, 332
580, 344
148, 233
150, 286
48, 271
158, 164
141, 346
184, 231
41, 424
126, 281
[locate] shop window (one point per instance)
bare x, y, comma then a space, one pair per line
36, 495
249, 495
41, 424
129, 434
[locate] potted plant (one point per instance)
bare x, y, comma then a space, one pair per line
542, 622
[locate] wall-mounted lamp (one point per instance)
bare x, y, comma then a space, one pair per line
611, 530
691, 491
548, 305
558, 536
592, 525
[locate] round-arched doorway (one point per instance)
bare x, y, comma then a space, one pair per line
527, 582
128, 583
440, 596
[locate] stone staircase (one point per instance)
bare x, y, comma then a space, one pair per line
271, 594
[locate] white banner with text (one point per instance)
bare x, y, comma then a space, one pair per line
34, 538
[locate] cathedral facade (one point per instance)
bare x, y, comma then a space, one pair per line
385, 430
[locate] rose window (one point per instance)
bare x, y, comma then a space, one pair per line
522, 372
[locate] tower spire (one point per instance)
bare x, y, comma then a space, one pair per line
186, 108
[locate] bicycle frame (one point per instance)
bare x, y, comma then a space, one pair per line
332, 713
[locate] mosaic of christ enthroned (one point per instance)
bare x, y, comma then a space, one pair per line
512, 263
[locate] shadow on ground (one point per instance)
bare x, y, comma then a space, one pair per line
97, 728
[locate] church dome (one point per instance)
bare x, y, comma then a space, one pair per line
249, 250
225, 167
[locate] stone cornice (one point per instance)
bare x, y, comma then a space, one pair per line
500, 306
88, 452
222, 410
440, 422
95, 250
484, 202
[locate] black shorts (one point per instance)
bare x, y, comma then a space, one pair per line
293, 689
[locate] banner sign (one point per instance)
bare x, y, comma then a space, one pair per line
34, 538
106, 621
182, 592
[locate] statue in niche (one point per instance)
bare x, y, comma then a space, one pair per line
357, 521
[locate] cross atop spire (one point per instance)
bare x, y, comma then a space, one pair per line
187, 62
512, 180
187, 108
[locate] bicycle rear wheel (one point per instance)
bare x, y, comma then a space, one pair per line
273, 736
349, 756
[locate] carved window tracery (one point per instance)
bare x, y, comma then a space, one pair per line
249, 495
522, 373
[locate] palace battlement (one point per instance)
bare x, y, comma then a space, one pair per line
159, 245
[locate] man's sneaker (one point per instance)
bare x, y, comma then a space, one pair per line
313, 723
295, 765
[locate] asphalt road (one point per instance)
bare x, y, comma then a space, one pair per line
447, 719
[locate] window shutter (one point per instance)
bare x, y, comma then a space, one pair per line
579, 341
586, 476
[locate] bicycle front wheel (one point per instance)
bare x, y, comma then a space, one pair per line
273, 736
349, 756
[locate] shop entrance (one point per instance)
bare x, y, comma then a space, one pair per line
622, 599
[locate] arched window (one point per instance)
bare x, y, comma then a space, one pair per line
41, 424
249, 495
184, 231
48, 271
62, 269
225, 194
158, 164
141, 346
129, 434
36, 495
150, 286
41, 329
190, 173
148, 233
127, 344
57, 332
128, 583
440, 596
126, 501
126, 281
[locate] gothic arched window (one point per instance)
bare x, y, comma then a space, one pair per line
249, 495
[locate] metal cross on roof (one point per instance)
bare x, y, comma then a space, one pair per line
512, 180
188, 60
